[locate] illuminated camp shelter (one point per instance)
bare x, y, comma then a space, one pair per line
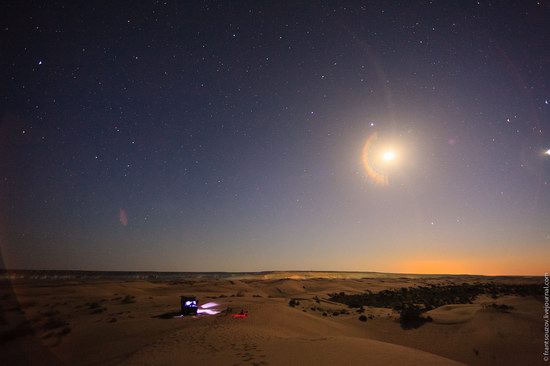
189, 305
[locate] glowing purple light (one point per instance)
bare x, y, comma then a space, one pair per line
208, 311
208, 305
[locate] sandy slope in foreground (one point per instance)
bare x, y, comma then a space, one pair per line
111, 323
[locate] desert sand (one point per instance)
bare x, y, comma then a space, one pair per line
135, 322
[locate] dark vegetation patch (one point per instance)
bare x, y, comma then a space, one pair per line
411, 317
128, 299
432, 296
363, 318
411, 302
499, 307
98, 310
293, 303
56, 336
54, 322
95, 307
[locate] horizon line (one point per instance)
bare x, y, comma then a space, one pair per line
271, 271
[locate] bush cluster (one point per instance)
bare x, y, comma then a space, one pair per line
431, 297
412, 302
293, 303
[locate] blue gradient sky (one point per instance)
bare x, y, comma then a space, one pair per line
228, 136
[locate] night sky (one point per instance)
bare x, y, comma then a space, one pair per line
230, 136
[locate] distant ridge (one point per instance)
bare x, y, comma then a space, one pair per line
31, 274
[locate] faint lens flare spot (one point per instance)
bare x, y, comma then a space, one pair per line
452, 141
123, 217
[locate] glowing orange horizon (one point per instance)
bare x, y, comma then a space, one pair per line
480, 266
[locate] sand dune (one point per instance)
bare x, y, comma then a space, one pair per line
453, 314
132, 323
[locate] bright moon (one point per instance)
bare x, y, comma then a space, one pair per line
389, 156
547, 152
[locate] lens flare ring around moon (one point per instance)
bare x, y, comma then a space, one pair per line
376, 176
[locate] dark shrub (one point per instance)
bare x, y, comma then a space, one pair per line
363, 318
54, 323
411, 317
98, 311
128, 299
502, 307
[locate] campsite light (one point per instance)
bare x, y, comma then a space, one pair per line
189, 305
208, 311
